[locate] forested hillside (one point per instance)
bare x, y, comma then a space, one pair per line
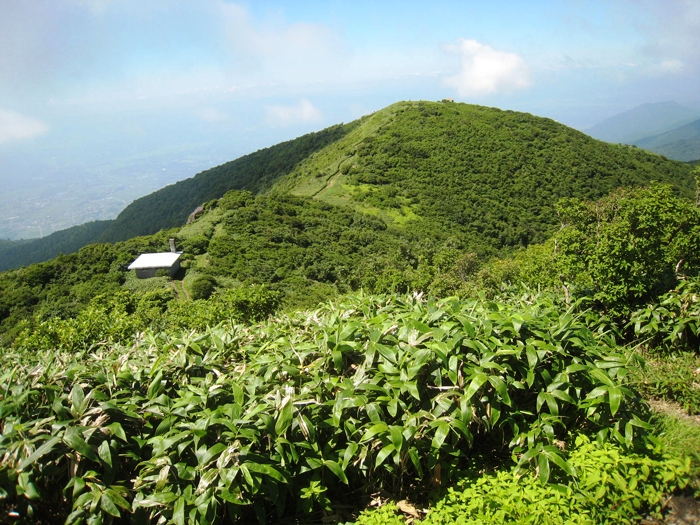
256, 172
443, 162
682, 143
22, 253
174, 399
490, 177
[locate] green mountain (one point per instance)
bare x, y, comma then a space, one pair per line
643, 121
170, 206
21, 253
487, 177
682, 143
490, 174
390, 202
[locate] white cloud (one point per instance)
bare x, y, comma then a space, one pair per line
15, 126
300, 113
485, 70
272, 38
671, 66
273, 48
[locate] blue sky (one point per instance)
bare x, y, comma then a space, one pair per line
122, 77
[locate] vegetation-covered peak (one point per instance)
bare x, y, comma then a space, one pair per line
488, 175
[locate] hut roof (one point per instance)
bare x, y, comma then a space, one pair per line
154, 260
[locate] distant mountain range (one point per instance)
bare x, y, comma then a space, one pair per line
666, 128
487, 177
681, 143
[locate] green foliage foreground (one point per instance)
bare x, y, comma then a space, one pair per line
614, 487
310, 410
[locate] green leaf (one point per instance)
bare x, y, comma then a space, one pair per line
349, 453
78, 486
441, 433
601, 376
377, 428
117, 498
532, 358
117, 430
383, 454
543, 468
74, 440
560, 394
396, 436
156, 385
179, 511
479, 379
108, 505
267, 470
501, 388
597, 392
412, 389
413, 453
337, 470
238, 394
39, 452
615, 396
552, 404
554, 455
285, 416
77, 397
105, 453
160, 499
27, 486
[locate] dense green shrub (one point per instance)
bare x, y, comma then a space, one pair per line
613, 487
372, 393
629, 246
673, 321
202, 287
196, 244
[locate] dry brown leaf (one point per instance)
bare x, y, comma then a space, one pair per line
407, 508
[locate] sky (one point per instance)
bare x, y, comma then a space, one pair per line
124, 96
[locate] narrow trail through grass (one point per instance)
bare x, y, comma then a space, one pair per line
180, 291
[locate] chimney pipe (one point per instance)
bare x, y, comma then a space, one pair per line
172, 245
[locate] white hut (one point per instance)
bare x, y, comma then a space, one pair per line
147, 264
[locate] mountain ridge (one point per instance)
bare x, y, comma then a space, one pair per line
643, 121
682, 143
483, 172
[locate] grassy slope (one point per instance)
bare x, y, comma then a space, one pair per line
170, 206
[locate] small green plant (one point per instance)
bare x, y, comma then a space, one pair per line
613, 486
681, 437
388, 514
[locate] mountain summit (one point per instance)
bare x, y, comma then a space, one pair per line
485, 176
